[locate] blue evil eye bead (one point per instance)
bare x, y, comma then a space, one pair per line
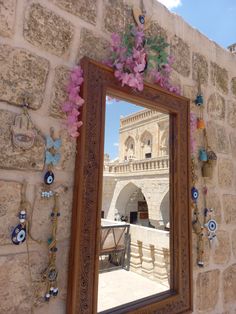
194, 193
18, 235
55, 292
52, 275
199, 100
211, 225
51, 291
142, 19
49, 177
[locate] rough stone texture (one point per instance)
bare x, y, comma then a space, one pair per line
219, 77
68, 151
233, 86
229, 205
117, 15
45, 29
217, 137
15, 158
222, 252
229, 282
16, 295
22, 74
7, 17
200, 67
156, 30
213, 201
207, 281
93, 46
10, 197
225, 173
231, 116
41, 224
216, 107
85, 9
233, 237
181, 52
233, 143
59, 94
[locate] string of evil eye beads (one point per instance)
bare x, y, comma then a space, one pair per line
18, 235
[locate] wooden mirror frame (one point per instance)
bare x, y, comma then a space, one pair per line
99, 81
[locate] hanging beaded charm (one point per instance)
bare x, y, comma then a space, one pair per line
51, 273
19, 232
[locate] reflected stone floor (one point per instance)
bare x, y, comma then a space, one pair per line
120, 287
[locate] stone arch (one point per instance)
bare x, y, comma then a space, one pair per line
129, 148
165, 209
123, 204
146, 144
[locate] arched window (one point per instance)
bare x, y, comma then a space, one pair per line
146, 145
129, 149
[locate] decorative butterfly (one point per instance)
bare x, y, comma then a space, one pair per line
52, 159
53, 144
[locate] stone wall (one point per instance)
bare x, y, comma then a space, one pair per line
40, 41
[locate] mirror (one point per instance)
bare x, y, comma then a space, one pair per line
130, 248
134, 258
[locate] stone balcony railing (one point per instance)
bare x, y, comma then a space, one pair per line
152, 164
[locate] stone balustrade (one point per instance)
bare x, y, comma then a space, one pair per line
152, 164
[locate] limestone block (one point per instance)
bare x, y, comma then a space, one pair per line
47, 30
219, 78
16, 293
217, 137
85, 9
200, 67
68, 151
10, 197
16, 158
207, 290
22, 73
216, 107
181, 52
233, 85
225, 173
117, 16
229, 282
93, 46
41, 223
222, 252
59, 94
233, 143
231, 116
7, 17
213, 201
234, 242
156, 30
229, 203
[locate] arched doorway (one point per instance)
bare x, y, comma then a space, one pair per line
131, 205
165, 210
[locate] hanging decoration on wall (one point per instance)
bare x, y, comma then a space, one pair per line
51, 273
73, 105
140, 16
52, 158
19, 232
207, 158
23, 130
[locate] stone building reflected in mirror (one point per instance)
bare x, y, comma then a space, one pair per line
136, 184
134, 247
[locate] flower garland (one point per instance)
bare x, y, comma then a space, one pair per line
74, 103
133, 55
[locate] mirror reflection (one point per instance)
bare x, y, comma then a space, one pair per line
134, 259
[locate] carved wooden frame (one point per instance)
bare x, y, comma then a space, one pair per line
83, 262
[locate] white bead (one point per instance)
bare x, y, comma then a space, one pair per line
22, 212
22, 220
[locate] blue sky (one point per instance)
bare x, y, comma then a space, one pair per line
214, 18
115, 109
